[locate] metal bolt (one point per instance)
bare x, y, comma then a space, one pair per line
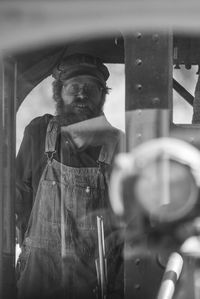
87, 189
155, 37
156, 101
139, 87
138, 35
137, 286
138, 61
137, 261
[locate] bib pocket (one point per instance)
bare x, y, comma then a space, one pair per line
86, 206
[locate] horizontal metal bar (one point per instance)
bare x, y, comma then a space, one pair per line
23, 23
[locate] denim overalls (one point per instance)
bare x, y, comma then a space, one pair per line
60, 246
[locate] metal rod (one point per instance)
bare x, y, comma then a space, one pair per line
183, 92
1, 180
101, 261
165, 180
171, 276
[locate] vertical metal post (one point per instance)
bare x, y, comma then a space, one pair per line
148, 69
1, 172
147, 58
7, 175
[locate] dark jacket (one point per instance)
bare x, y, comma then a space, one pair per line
31, 160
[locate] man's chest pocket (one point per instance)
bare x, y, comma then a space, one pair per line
86, 205
87, 201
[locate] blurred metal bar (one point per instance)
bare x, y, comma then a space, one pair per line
25, 23
8, 178
1, 172
148, 71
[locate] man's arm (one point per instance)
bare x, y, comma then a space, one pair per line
24, 194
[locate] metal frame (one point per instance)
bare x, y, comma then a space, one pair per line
7, 182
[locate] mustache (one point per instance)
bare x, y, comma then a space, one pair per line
90, 106
68, 110
84, 101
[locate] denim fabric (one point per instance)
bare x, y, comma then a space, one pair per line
60, 246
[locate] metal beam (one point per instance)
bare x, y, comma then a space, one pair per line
7, 184
25, 23
148, 70
183, 92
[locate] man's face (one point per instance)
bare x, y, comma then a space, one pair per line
82, 96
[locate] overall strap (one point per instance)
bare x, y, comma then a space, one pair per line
51, 137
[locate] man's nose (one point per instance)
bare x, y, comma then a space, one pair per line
82, 94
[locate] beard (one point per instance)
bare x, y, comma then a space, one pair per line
69, 113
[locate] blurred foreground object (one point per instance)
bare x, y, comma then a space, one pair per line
171, 276
155, 191
162, 177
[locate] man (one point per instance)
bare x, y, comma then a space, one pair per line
62, 172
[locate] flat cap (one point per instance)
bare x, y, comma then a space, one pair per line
81, 64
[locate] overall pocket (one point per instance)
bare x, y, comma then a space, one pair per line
86, 206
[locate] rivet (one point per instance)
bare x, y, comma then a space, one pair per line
155, 37
138, 61
156, 101
139, 135
67, 142
53, 183
137, 286
139, 87
87, 189
139, 35
139, 111
137, 261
